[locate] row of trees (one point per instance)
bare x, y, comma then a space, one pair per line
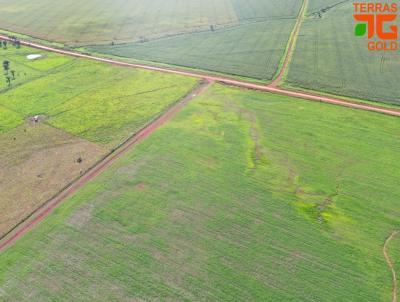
9, 73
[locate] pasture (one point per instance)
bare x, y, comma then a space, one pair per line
242, 196
328, 57
84, 110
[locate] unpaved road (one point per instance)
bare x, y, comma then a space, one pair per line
224, 80
390, 264
291, 43
52, 204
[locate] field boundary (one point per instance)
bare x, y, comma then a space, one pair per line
291, 45
390, 264
48, 207
227, 81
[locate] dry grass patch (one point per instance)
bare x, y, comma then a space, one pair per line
36, 162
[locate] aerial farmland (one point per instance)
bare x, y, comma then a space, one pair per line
187, 150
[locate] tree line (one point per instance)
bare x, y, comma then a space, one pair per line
9, 73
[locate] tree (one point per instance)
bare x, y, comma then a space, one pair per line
6, 65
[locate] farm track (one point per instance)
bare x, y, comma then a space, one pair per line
46, 209
224, 80
291, 44
390, 264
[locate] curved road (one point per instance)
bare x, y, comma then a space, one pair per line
391, 264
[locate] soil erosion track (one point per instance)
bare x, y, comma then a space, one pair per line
224, 80
390, 264
52, 204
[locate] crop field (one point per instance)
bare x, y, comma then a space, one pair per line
105, 21
251, 50
84, 110
238, 37
277, 206
330, 58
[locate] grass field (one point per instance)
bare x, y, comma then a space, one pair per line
329, 57
244, 196
85, 109
251, 50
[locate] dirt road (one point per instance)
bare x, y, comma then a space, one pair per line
390, 264
52, 204
291, 44
224, 80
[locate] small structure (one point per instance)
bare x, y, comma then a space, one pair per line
33, 57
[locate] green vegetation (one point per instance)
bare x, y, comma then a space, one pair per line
251, 50
103, 22
101, 103
243, 196
9, 119
94, 21
239, 37
61, 115
330, 58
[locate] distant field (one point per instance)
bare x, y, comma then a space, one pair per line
329, 57
244, 196
85, 109
251, 50
321, 5
104, 21
239, 37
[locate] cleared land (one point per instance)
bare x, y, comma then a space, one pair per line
278, 204
330, 58
239, 37
85, 110
104, 21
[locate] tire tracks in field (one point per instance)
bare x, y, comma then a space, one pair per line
390, 263
223, 80
47, 208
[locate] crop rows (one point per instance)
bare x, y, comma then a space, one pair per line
257, 170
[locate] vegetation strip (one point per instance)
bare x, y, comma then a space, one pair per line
291, 44
390, 264
46, 209
228, 81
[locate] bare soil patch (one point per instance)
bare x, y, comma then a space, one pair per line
36, 162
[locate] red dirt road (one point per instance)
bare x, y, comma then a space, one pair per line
224, 80
51, 205
291, 44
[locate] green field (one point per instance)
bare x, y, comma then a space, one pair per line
85, 109
104, 21
238, 37
328, 57
244, 196
98, 102
251, 50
